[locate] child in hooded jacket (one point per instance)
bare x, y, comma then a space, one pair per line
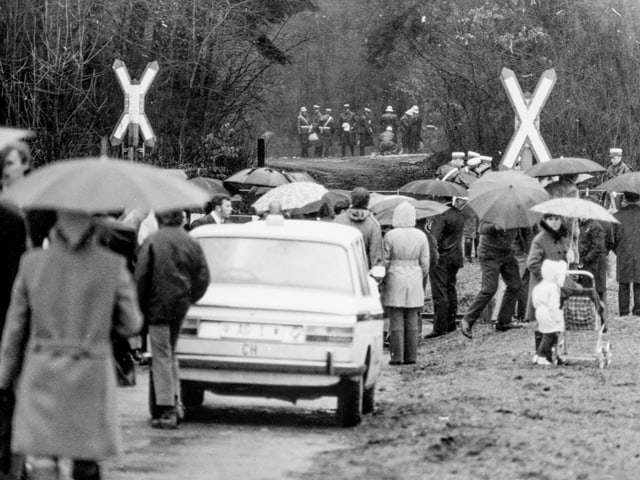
545, 298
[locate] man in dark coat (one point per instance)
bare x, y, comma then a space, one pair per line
360, 217
405, 130
171, 274
446, 229
626, 245
390, 119
217, 211
364, 130
347, 125
12, 244
415, 130
593, 253
496, 259
326, 127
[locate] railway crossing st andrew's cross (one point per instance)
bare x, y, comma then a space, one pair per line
133, 118
527, 134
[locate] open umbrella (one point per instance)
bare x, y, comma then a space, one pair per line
331, 198
564, 166
290, 196
212, 185
433, 187
97, 185
504, 198
261, 176
8, 135
574, 208
627, 182
383, 208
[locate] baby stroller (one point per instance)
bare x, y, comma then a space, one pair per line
585, 324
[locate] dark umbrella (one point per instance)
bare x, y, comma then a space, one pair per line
564, 166
504, 198
433, 187
212, 185
383, 207
261, 176
627, 182
331, 198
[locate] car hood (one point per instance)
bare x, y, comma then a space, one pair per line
292, 299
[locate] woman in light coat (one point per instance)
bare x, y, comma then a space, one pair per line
56, 351
406, 258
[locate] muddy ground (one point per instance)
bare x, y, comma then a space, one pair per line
480, 409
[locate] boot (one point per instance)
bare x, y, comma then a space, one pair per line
410, 346
396, 347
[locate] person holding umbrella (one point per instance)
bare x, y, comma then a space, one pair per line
56, 350
496, 259
626, 245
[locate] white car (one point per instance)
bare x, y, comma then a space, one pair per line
291, 313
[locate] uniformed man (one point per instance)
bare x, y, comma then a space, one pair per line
326, 127
347, 125
617, 167
364, 130
390, 119
315, 124
304, 129
450, 171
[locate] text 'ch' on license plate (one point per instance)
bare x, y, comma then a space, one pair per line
250, 330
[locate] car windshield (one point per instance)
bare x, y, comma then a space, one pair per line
277, 262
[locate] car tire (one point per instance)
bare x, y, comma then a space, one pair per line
154, 411
350, 397
369, 400
191, 395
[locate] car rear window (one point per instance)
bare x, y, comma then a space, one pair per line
277, 262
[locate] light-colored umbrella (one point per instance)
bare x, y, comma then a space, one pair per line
564, 166
9, 135
261, 177
96, 185
433, 187
504, 198
290, 196
574, 208
627, 182
383, 208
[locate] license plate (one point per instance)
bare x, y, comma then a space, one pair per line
252, 331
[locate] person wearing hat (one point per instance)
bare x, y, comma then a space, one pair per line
315, 124
617, 167
389, 119
326, 127
405, 129
364, 130
450, 171
415, 130
347, 129
486, 164
386, 141
304, 129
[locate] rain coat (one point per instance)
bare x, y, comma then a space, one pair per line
406, 258
56, 349
627, 243
546, 297
364, 221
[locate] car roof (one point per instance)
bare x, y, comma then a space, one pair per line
308, 230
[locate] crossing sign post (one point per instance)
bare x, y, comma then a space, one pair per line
133, 119
527, 134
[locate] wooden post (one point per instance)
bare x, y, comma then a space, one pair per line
261, 152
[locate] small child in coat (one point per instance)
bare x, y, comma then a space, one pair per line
545, 298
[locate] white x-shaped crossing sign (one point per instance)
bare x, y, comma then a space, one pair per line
527, 112
134, 93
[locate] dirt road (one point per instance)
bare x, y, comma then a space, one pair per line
227, 438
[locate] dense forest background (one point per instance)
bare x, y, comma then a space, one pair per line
253, 64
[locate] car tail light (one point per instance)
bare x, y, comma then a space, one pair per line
189, 327
329, 334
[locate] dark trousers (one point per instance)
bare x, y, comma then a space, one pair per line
521, 307
445, 297
492, 268
469, 243
403, 343
544, 343
624, 298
